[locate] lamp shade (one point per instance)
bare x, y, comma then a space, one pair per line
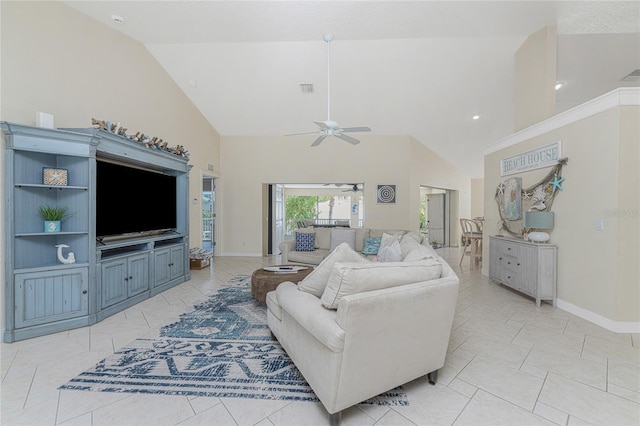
538, 220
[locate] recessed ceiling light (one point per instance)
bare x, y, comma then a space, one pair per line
559, 85
476, 117
117, 19
192, 83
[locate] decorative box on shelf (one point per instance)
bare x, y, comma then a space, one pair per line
57, 177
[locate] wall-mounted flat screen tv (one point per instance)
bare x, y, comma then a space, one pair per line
132, 200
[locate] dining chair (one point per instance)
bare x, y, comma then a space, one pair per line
471, 239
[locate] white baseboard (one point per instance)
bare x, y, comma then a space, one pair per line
250, 254
615, 326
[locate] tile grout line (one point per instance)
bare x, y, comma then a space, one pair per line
33, 377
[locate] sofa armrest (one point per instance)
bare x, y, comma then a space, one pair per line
394, 335
308, 312
285, 248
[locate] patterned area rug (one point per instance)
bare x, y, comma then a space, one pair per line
222, 348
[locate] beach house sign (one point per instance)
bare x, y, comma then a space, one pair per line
544, 156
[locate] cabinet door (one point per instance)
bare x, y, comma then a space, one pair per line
138, 279
177, 261
114, 286
528, 280
162, 260
495, 248
44, 297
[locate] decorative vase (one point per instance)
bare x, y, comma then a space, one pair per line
51, 226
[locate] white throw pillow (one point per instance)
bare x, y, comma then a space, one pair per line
388, 239
316, 281
352, 278
390, 253
339, 236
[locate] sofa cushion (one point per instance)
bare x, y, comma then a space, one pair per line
380, 232
339, 236
323, 238
361, 234
307, 257
371, 246
316, 281
305, 241
352, 278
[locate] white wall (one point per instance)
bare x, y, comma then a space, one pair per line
58, 61
597, 270
477, 197
250, 161
535, 77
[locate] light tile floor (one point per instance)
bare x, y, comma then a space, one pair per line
509, 363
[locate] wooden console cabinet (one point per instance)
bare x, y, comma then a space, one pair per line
527, 267
45, 296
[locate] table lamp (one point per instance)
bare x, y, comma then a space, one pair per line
538, 220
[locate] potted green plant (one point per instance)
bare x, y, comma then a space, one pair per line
52, 216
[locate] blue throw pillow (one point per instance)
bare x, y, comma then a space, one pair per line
305, 241
371, 245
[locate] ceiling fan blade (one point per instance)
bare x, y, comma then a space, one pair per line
321, 125
349, 139
320, 139
356, 129
304, 133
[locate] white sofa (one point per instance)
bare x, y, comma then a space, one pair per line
391, 326
324, 243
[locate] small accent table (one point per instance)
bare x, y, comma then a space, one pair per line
263, 281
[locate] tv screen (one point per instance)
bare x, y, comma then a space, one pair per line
131, 200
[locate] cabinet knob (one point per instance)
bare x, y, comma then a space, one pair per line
509, 276
130, 278
499, 258
126, 278
518, 264
508, 263
508, 248
84, 291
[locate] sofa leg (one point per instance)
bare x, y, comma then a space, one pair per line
432, 377
335, 418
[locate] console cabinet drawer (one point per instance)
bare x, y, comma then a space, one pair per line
524, 266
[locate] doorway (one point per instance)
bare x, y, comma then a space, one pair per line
435, 214
208, 213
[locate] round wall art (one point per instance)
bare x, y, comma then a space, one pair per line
386, 194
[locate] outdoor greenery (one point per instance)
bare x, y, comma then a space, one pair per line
299, 207
423, 213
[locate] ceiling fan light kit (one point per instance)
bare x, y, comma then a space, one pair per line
330, 127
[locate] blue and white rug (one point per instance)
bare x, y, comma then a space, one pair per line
222, 348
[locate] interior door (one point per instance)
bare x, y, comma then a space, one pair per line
208, 213
436, 218
278, 218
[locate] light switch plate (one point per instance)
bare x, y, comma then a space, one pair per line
600, 224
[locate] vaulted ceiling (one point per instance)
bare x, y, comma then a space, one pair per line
421, 68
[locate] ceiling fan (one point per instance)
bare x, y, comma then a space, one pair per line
355, 187
330, 127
